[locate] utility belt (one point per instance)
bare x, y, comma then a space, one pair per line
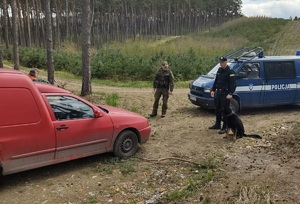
224, 90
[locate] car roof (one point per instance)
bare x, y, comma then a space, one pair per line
11, 71
271, 58
42, 87
48, 88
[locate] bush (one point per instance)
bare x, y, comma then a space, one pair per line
113, 64
70, 62
32, 57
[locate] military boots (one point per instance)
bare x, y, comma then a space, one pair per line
153, 114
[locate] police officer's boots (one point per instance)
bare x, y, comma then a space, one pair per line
216, 126
224, 128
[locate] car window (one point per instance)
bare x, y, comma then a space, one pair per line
214, 70
275, 70
69, 108
251, 70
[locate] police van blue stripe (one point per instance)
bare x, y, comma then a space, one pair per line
266, 87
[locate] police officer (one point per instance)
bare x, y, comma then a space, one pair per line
163, 85
222, 90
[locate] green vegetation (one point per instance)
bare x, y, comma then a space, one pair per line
260, 32
125, 166
200, 176
189, 56
128, 167
112, 99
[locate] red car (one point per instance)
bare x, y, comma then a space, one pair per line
41, 124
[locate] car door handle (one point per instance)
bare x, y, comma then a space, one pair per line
62, 127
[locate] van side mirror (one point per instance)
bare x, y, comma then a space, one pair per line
97, 113
241, 75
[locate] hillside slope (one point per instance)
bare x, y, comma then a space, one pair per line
288, 40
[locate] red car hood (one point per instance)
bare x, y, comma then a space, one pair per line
119, 111
121, 117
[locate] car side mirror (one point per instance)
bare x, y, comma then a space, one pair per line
241, 75
97, 113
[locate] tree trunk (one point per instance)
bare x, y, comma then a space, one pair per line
114, 20
21, 24
86, 88
41, 34
28, 24
67, 19
5, 14
15, 34
49, 42
1, 54
58, 22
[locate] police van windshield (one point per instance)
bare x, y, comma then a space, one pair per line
213, 72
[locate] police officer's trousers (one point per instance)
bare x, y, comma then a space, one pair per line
165, 94
222, 105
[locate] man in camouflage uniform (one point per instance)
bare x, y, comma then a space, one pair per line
163, 85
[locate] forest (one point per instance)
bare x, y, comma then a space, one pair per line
35, 33
113, 20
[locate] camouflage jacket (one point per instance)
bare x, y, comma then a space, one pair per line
164, 79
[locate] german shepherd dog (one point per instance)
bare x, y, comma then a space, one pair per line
235, 124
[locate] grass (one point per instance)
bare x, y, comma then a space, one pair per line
194, 184
258, 31
200, 176
254, 194
62, 78
125, 166
112, 99
116, 83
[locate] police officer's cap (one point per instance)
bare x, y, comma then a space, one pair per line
223, 59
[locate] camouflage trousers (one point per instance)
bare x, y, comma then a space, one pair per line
165, 96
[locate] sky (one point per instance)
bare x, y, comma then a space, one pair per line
271, 8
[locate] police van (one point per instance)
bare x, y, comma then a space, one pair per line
261, 80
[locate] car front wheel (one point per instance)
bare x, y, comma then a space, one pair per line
234, 105
126, 144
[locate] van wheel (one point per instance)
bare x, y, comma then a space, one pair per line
126, 144
234, 105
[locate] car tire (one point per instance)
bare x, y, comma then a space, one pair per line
234, 105
126, 144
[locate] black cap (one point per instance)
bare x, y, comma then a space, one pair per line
32, 73
223, 59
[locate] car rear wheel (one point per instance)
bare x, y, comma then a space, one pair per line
1, 173
234, 105
126, 144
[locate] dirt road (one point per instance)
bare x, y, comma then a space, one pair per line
264, 170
